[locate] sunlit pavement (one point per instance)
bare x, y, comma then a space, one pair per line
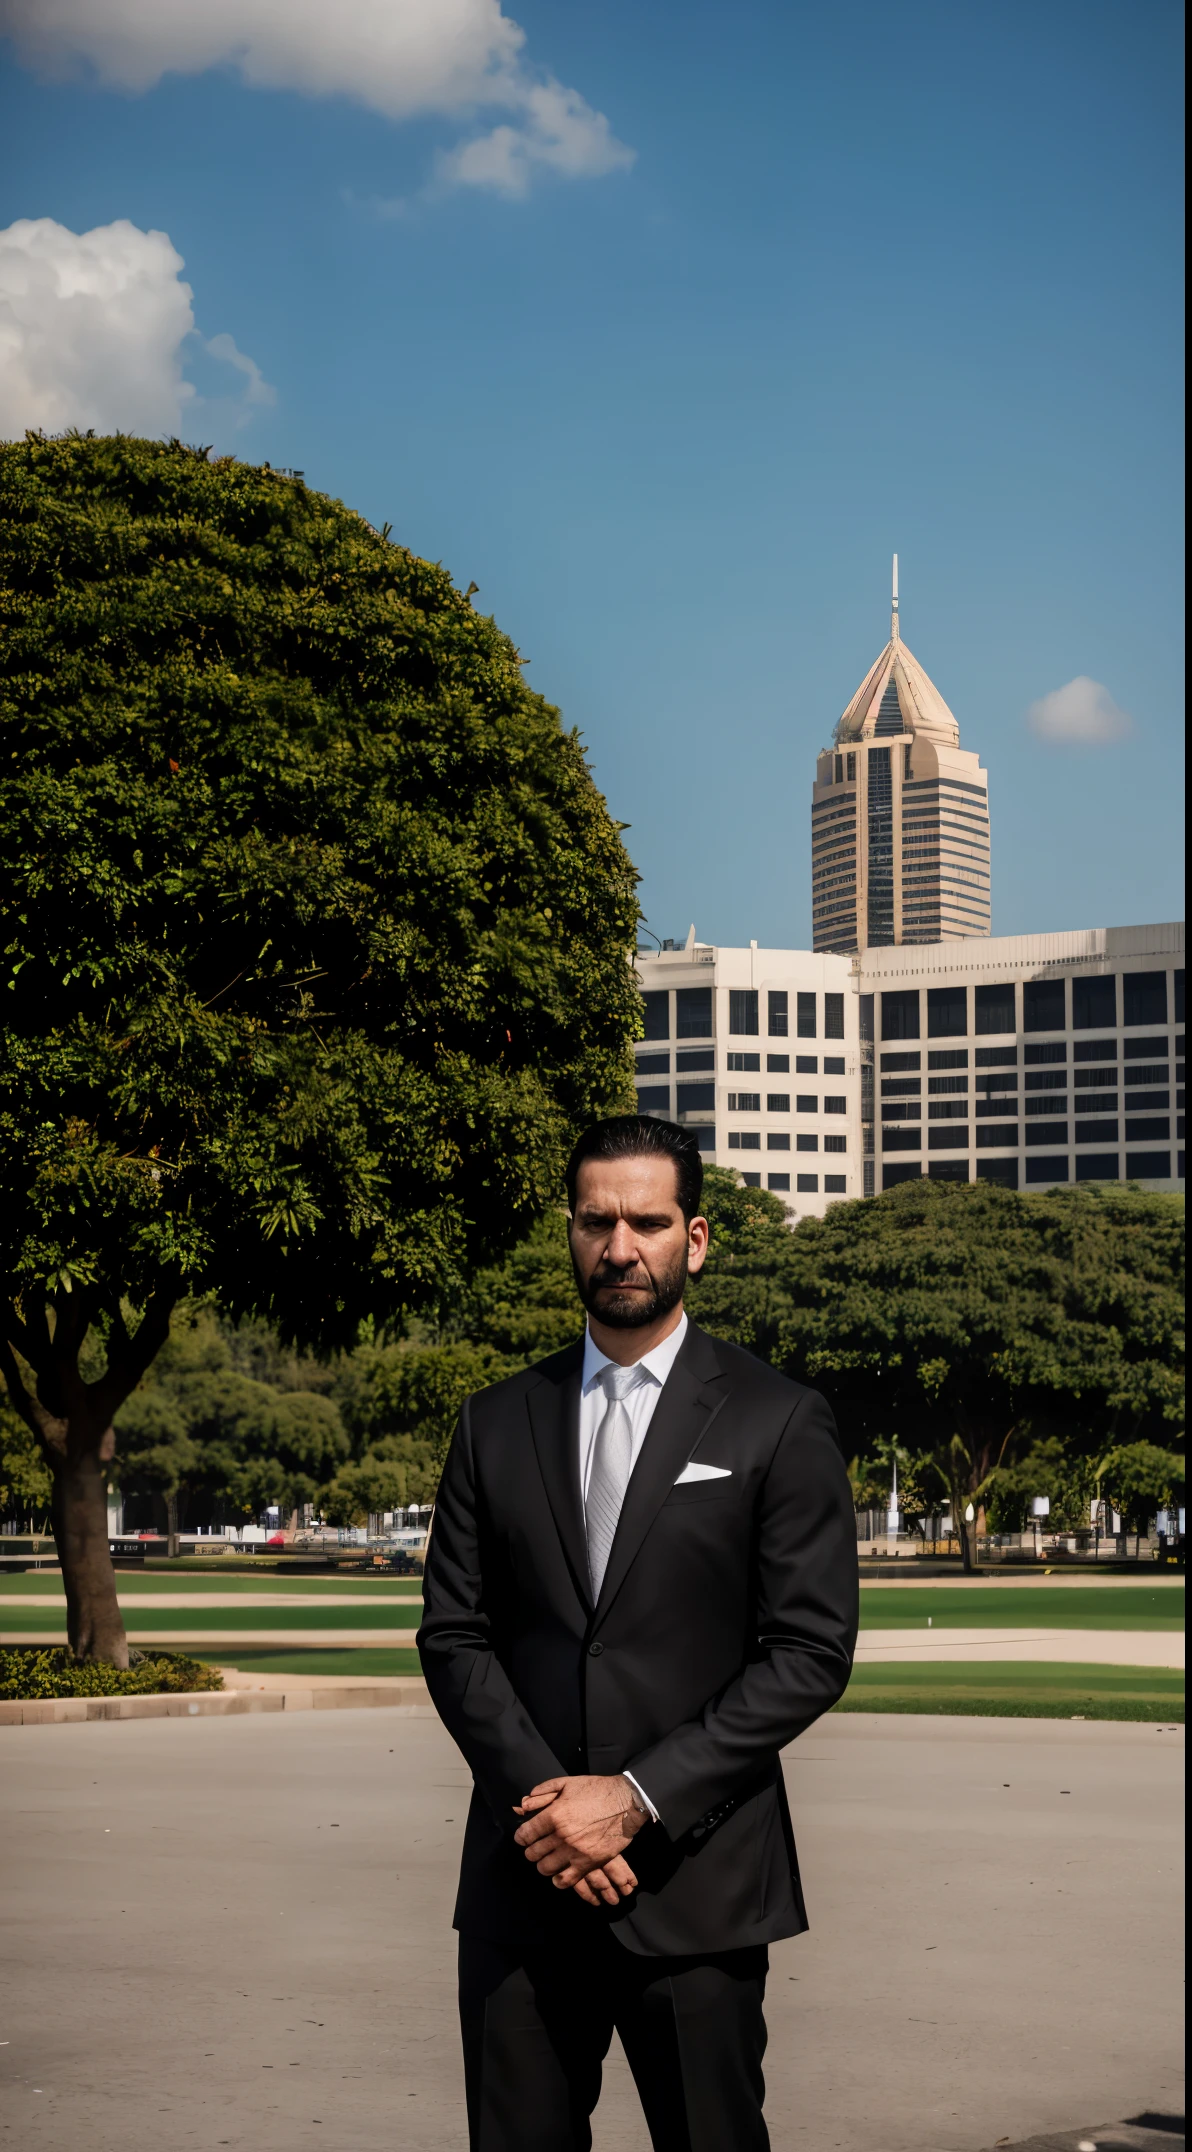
236, 1932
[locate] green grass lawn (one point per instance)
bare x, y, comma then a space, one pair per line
213, 1621
361, 1665
1028, 1690
1024, 1606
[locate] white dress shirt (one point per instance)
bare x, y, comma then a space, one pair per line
640, 1404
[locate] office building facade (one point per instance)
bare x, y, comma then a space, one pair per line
899, 817
1029, 1060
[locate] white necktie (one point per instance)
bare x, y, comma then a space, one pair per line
612, 1462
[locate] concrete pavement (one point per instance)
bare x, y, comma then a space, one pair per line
235, 1932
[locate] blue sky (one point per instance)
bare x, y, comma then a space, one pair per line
832, 282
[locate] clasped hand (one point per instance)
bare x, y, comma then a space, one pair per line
575, 1832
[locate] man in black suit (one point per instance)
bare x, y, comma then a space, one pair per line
641, 1584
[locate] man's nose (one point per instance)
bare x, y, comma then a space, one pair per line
621, 1248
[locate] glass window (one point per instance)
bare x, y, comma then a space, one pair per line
1097, 1131
744, 1101
996, 1057
695, 1098
868, 1176
742, 1013
948, 1169
835, 1143
654, 1064
835, 1184
1154, 1129
947, 1139
947, 1012
807, 1143
1003, 1172
1095, 1079
744, 1139
1003, 1136
901, 1061
1147, 1072
1144, 1049
806, 1015
891, 1175
653, 1098
693, 1012
836, 1105
833, 1064
833, 1016
952, 1057
865, 1015
1096, 1049
744, 1064
776, 1141
1178, 983
807, 1064
778, 1102
778, 1064
1055, 1050
1046, 1169
656, 1008
1043, 1005
776, 1016
948, 1109
901, 1139
1047, 1132
752, 1180
1148, 1165
780, 1183
806, 1103
902, 1087
839, 762
940, 1086
987, 1085
900, 1015
697, 1060
705, 1137
807, 1184
1047, 1080
1145, 996
995, 1008
1098, 1166
1094, 1004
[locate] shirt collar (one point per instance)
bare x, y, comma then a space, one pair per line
657, 1364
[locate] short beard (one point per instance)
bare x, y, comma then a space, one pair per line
632, 1311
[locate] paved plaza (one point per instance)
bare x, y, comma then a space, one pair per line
235, 1932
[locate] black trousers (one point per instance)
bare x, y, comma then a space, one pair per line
537, 2027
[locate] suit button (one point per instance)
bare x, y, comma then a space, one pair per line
594, 1650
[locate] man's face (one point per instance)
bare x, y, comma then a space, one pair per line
631, 1246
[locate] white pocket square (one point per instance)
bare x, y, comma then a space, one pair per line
702, 1472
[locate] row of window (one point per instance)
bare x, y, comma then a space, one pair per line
1049, 1052
749, 1139
1006, 1135
1144, 1000
701, 1098
1141, 1080
744, 1064
1103, 1166
806, 1184
693, 1013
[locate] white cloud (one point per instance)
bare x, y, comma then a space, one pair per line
397, 57
1082, 714
93, 332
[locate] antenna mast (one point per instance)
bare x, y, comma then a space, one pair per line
894, 605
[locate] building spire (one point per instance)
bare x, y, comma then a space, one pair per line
894, 605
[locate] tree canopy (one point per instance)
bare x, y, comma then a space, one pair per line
317, 932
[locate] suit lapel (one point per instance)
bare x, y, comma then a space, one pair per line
554, 1421
693, 1394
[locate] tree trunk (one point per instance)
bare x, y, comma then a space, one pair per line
172, 1521
80, 1515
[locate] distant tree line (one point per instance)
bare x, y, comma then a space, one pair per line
995, 1347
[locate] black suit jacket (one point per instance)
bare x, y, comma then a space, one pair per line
725, 1625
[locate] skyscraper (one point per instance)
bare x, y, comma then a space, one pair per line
899, 816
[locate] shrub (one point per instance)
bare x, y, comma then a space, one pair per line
28, 1673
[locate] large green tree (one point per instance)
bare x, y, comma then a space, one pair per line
316, 934
969, 1323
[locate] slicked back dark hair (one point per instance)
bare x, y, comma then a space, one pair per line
632, 1135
